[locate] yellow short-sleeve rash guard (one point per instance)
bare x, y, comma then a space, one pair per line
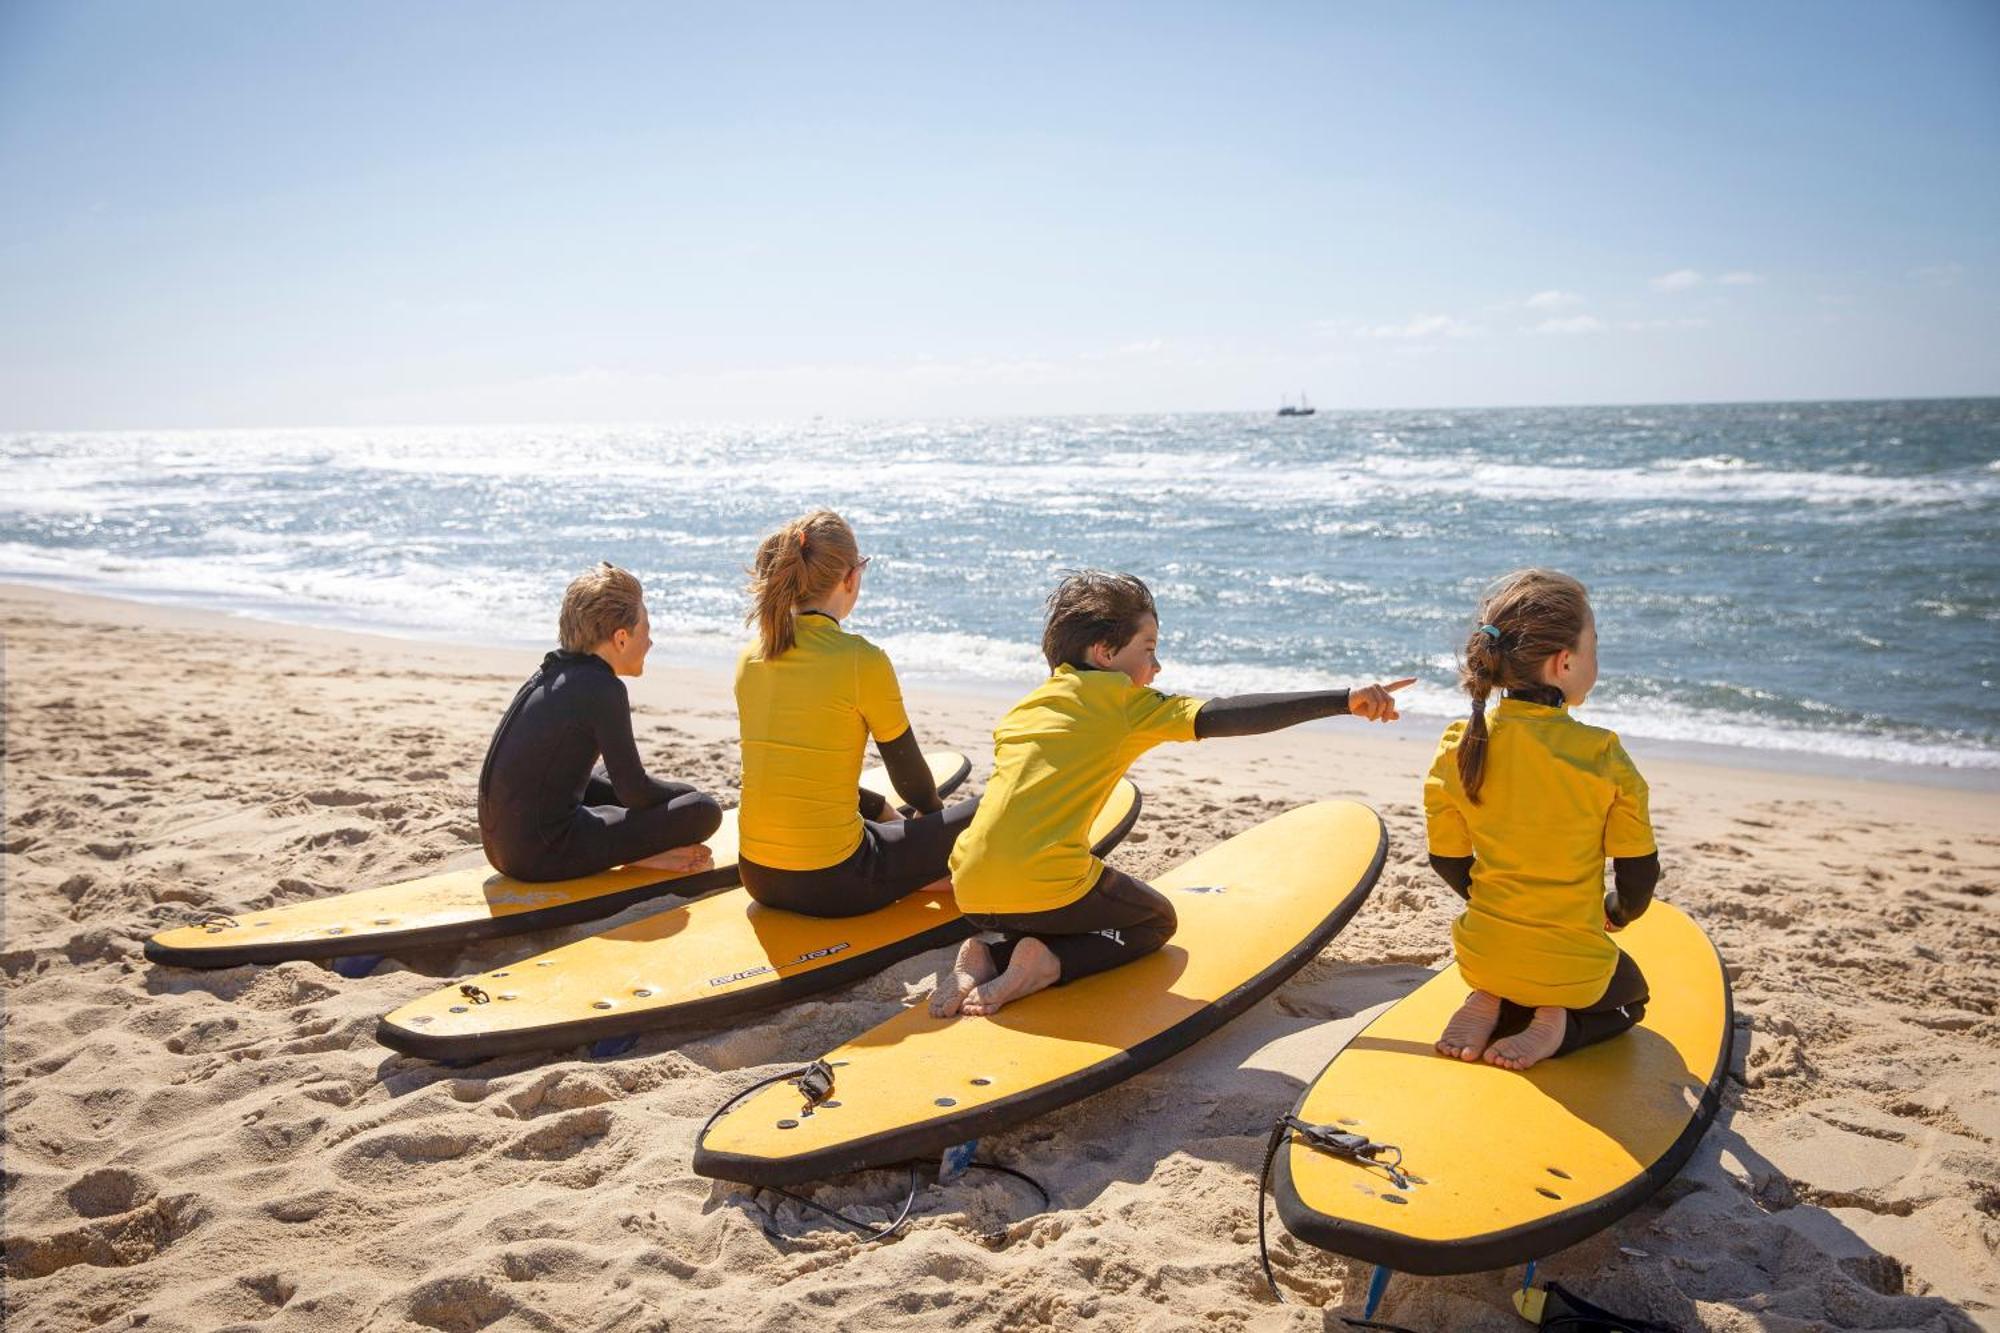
1056, 755
1556, 798
805, 719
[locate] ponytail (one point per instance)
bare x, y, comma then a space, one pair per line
1472, 746
795, 566
1524, 620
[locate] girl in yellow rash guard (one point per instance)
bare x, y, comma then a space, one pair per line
1024, 868
808, 696
1521, 814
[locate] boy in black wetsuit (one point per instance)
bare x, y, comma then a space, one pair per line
548, 808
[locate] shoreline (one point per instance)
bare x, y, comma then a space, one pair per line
1775, 762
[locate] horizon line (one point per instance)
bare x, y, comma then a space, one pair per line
658, 423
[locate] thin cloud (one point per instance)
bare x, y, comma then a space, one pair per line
1680, 280
1741, 278
1574, 325
1938, 275
1422, 327
1552, 300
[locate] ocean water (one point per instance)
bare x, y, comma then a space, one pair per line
1803, 579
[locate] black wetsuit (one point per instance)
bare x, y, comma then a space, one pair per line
548, 809
1121, 919
1633, 879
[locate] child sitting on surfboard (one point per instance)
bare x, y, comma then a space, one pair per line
563, 793
1521, 814
809, 694
1024, 868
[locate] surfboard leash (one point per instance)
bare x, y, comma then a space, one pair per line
1357, 1148
874, 1233
815, 1083
867, 1232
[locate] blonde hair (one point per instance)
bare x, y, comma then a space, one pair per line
796, 566
597, 605
1525, 619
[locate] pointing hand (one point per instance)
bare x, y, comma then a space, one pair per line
1377, 703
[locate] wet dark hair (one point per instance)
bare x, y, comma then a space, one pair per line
1093, 606
1535, 614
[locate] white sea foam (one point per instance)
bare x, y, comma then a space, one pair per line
469, 534
1068, 479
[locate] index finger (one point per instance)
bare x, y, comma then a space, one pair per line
1399, 684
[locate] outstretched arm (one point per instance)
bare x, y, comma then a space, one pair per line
1255, 714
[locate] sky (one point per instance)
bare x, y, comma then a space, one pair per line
225, 214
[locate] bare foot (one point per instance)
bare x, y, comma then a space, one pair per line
1031, 969
973, 967
680, 860
937, 886
1536, 1042
1465, 1037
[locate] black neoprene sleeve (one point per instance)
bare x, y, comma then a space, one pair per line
1634, 878
1455, 871
612, 723
910, 773
1255, 714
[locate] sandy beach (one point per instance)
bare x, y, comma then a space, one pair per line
231, 1149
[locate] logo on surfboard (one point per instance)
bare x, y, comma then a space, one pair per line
809, 956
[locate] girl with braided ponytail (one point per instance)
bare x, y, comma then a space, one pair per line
809, 694
1521, 812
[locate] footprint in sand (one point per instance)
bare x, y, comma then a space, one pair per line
121, 1241
563, 1137
339, 796
107, 1191
458, 1304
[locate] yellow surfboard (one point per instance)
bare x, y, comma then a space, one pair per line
1252, 910
720, 956
458, 905
1505, 1167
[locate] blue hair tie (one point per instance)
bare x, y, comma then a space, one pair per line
1491, 631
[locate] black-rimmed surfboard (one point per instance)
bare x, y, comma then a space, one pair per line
1503, 1167
455, 906
721, 956
1253, 910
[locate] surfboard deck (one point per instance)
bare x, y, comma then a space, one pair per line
1510, 1166
721, 956
455, 906
1252, 910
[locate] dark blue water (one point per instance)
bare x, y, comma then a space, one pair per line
1819, 578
